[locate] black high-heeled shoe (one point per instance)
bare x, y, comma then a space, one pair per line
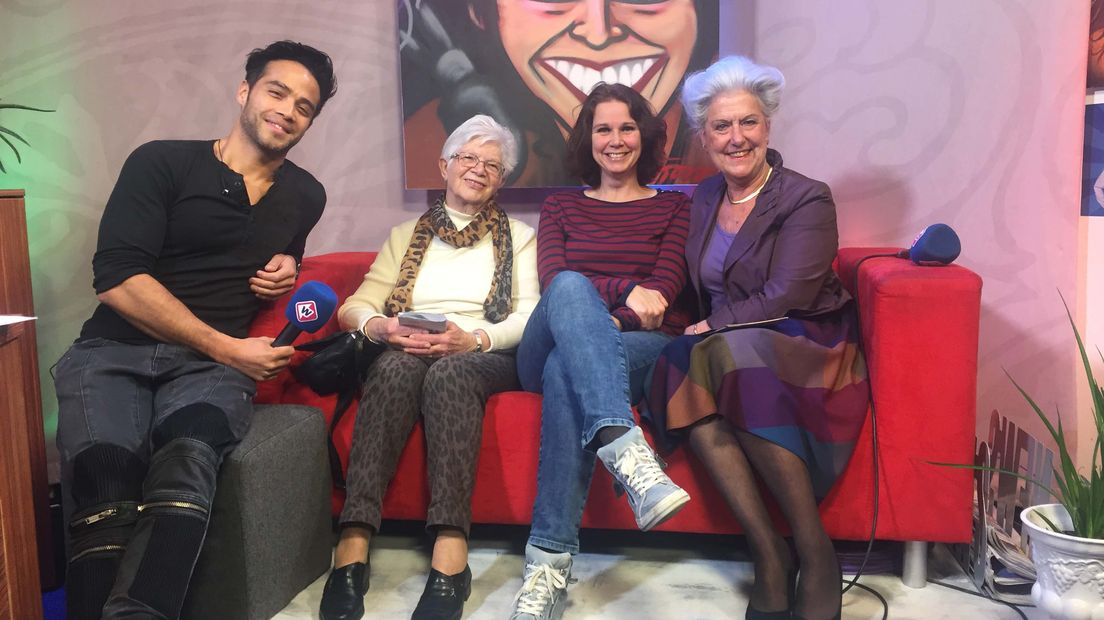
444, 596
343, 595
785, 614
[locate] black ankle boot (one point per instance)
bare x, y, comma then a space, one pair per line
444, 596
343, 596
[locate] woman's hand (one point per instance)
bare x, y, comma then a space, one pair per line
696, 328
649, 305
388, 331
452, 340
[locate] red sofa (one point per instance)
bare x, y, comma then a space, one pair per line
920, 326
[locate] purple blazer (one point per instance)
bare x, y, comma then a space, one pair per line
780, 262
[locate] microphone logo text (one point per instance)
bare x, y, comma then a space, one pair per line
306, 311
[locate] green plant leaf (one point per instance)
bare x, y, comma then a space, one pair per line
16, 106
9, 132
998, 470
14, 135
18, 159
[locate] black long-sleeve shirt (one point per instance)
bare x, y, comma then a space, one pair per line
180, 215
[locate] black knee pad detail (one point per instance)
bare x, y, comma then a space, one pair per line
185, 471
200, 421
106, 473
161, 580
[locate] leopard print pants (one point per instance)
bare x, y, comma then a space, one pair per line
450, 394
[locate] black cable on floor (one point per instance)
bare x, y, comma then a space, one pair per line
874, 447
1014, 607
877, 595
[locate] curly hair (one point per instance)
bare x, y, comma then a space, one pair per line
653, 135
732, 73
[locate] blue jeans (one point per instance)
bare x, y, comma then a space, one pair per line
589, 374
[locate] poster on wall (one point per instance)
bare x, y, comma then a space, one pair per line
1095, 77
1092, 182
530, 63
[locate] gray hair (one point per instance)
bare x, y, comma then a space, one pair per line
483, 129
729, 74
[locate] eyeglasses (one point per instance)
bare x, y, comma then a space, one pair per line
467, 160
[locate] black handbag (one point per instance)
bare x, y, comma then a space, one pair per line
339, 365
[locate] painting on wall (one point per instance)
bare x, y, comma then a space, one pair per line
530, 63
1095, 77
1092, 182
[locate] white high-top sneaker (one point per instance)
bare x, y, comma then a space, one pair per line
543, 593
653, 496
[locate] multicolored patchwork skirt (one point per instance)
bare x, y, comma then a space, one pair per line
799, 383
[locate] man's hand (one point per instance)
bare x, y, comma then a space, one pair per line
276, 279
388, 331
649, 305
452, 340
256, 357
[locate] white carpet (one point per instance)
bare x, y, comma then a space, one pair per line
638, 583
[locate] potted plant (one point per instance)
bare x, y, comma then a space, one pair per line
7, 134
1067, 538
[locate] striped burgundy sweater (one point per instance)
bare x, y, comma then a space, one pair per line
619, 245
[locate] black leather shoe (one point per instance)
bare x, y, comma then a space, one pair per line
444, 596
343, 596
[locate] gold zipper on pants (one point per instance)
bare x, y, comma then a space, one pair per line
166, 504
96, 550
95, 518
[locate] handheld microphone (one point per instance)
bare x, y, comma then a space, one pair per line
937, 244
308, 310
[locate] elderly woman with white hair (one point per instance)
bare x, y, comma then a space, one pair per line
466, 259
782, 400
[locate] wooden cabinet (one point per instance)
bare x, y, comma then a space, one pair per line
25, 544
20, 595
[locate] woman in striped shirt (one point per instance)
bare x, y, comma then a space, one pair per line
612, 273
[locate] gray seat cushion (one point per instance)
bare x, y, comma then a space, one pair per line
270, 534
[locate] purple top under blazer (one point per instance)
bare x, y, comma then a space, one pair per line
780, 262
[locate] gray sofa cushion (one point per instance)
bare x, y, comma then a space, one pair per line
270, 534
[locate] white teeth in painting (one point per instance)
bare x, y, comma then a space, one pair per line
585, 78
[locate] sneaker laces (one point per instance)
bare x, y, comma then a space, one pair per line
541, 582
640, 468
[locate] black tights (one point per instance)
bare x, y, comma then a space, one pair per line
732, 458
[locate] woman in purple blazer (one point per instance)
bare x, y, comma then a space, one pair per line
782, 400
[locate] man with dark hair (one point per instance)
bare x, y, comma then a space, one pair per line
158, 387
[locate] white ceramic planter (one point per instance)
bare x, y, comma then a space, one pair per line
1070, 570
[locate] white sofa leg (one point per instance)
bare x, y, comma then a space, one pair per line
914, 573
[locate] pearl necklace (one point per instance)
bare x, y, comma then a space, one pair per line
753, 194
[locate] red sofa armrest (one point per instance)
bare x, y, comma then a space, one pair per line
920, 330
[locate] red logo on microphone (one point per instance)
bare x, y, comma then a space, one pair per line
306, 311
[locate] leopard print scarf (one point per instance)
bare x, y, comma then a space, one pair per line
436, 222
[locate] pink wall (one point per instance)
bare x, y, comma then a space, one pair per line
968, 113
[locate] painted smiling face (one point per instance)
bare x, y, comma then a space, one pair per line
562, 48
